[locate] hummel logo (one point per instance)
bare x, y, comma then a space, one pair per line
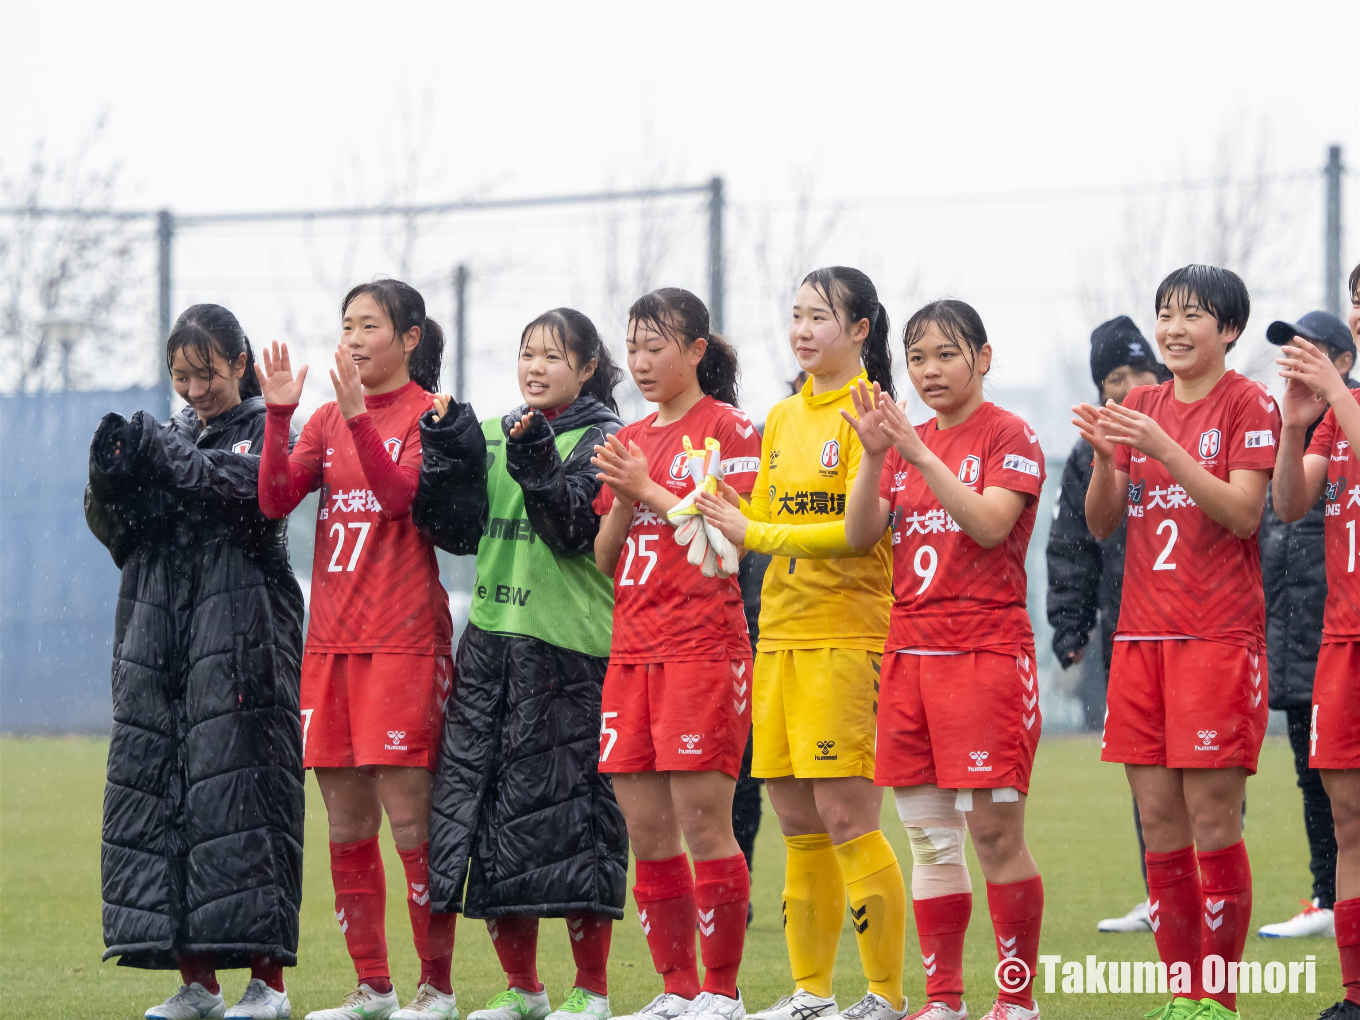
1153, 919
396, 736
784, 909
860, 918
344, 925
574, 927
1206, 736
642, 919
928, 962
1008, 949
690, 739
978, 758
706, 924
419, 894
1213, 908
495, 933
825, 747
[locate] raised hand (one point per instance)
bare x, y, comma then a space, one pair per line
1092, 429
441, 405
724, 516
1126, 427
898, 428
275, 372
623, 469
1300, 406
1304, 363
349, 391
522, 426
868, 419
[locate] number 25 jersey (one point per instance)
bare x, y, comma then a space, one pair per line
951, 593
1185, 575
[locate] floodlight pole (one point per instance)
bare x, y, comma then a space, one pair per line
1333, 259
165, 235
716, 282
460, 277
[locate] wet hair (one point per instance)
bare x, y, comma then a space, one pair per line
857, 295
405, 309
957, 321
678, 315
577, 338
207, 329
1220, 292
1355, 281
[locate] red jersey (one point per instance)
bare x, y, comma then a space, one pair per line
1341, 617
1185, 575
665, 610
375, 582
951, 593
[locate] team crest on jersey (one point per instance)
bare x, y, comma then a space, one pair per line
1136, 492
831, 453
970, 470
241, 447
393, 447
680, 467
1209, 443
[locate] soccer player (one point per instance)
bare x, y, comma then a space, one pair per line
823, 624
1187, 463
521, 815
677, 696
376, 668
958, 716
205, 758
1301, 478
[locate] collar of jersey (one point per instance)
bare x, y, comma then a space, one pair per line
389, 398
831, 396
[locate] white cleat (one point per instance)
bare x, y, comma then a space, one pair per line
429, 1004
514, 1004
711, 1006
1010, 1011
1137, 919
874, 1007
940, 1011
1312, 920
260, 1002
666, 1006
361, 1004
191, 1002
582, 1004
801, 1005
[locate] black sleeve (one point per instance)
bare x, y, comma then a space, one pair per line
1074, 562
117, 506
219, 482
558, 495
451, 504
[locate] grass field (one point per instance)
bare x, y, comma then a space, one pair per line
1080, 831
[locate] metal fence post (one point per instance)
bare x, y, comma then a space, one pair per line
1333, 259
460, 276
716, 282
165, 234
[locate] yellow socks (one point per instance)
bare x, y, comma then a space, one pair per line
814, 910
878, 910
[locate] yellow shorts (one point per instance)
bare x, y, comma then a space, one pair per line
814, 712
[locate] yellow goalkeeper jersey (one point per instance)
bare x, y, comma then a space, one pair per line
818, 592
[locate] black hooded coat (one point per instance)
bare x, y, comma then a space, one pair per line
521, 813
203, 807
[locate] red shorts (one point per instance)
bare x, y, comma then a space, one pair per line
968, 720
675, 716
1185, 704
1335, 734
385, 708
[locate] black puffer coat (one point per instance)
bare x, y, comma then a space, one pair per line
521, 811
203, 809
1085, 575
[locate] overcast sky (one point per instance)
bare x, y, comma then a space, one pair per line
227, 106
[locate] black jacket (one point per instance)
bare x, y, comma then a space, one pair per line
203, 808
1294, 570
1084, 575
521, 811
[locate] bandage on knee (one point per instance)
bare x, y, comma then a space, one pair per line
936, 830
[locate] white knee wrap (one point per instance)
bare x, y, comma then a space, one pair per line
934, 844
937, 831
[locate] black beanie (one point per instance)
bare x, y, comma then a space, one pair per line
1117, 343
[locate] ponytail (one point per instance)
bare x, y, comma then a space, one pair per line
857, 297
676, 313
209, 329
250, 382
405, 309
580, 341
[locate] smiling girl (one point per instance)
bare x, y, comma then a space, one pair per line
823, 622
958, 717
522, 816
376, 669
676, 705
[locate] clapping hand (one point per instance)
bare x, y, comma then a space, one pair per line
277, 382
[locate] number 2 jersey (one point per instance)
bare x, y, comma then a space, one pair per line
375, 582
951, 593
1185, 575
665, 610
1341, 617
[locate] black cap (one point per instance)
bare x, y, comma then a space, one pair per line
1318, 327
1117, 343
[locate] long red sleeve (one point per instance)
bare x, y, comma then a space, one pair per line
283, 481
393, 484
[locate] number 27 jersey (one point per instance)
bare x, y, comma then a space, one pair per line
1185, 575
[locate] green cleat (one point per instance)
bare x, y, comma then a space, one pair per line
1179, 1008
1212, 1009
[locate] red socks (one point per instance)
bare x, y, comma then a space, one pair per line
516, 940
664, 893
941, 922
1174, 905
1225, 878
1347, 917
198, 967
267, 970
1017, 910
433, 933
722, 888
590, 935
360, 900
